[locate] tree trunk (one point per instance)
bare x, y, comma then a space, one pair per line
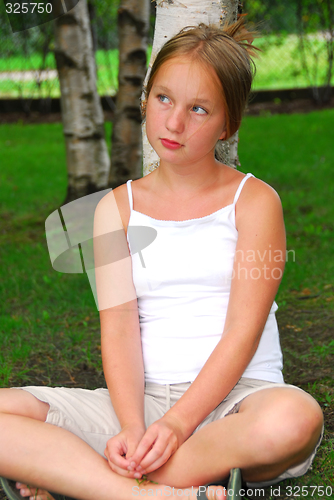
83, 122
171, 17
126, 159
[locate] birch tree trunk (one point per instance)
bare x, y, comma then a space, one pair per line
88, 160
171, 17
126, 159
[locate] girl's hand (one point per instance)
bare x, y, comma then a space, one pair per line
121, 447
159, 442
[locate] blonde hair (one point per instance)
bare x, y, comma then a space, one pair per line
228, 51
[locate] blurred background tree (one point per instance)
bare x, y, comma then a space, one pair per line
133, 31
82, 115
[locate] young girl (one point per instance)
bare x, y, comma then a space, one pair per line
194, 366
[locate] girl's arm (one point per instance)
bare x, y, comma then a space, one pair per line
120, 334
124, 374
259, 221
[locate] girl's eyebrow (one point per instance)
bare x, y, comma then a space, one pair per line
197, 100
162, 88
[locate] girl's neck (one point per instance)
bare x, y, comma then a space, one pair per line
187, 181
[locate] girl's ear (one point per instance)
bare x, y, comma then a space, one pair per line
223, 135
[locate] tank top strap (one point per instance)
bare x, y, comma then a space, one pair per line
241, 185
128, 185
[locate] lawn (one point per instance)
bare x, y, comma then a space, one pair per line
49, 327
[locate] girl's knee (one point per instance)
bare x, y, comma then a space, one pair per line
290, 424
20, 402
301, 416
311, 420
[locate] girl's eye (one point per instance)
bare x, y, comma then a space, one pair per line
199, 111
163, 98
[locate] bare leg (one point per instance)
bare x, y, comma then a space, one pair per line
274, 430
41, 454
36, 453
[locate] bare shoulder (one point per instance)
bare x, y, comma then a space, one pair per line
258, 202
255, 189
114, 208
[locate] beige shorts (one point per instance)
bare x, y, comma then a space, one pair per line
90, 415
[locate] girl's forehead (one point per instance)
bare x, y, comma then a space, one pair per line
188, 64
188, 72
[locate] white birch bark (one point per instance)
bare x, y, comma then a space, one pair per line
88, 160
171, 17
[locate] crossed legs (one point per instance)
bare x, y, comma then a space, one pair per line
275, 429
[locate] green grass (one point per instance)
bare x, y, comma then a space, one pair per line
278, 67
295, 156
29, 153
44, 315
49, 327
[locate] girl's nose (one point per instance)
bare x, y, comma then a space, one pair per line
175, 121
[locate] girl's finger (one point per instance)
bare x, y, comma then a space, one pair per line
118, 460
156, 457
132, 474
145, 445
115, 453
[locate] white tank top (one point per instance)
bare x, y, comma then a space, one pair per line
183, 294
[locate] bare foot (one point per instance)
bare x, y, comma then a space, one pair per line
33, 493
147, 489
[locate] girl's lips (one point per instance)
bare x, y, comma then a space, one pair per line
170, 144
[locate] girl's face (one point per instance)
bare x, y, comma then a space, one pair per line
185, 114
